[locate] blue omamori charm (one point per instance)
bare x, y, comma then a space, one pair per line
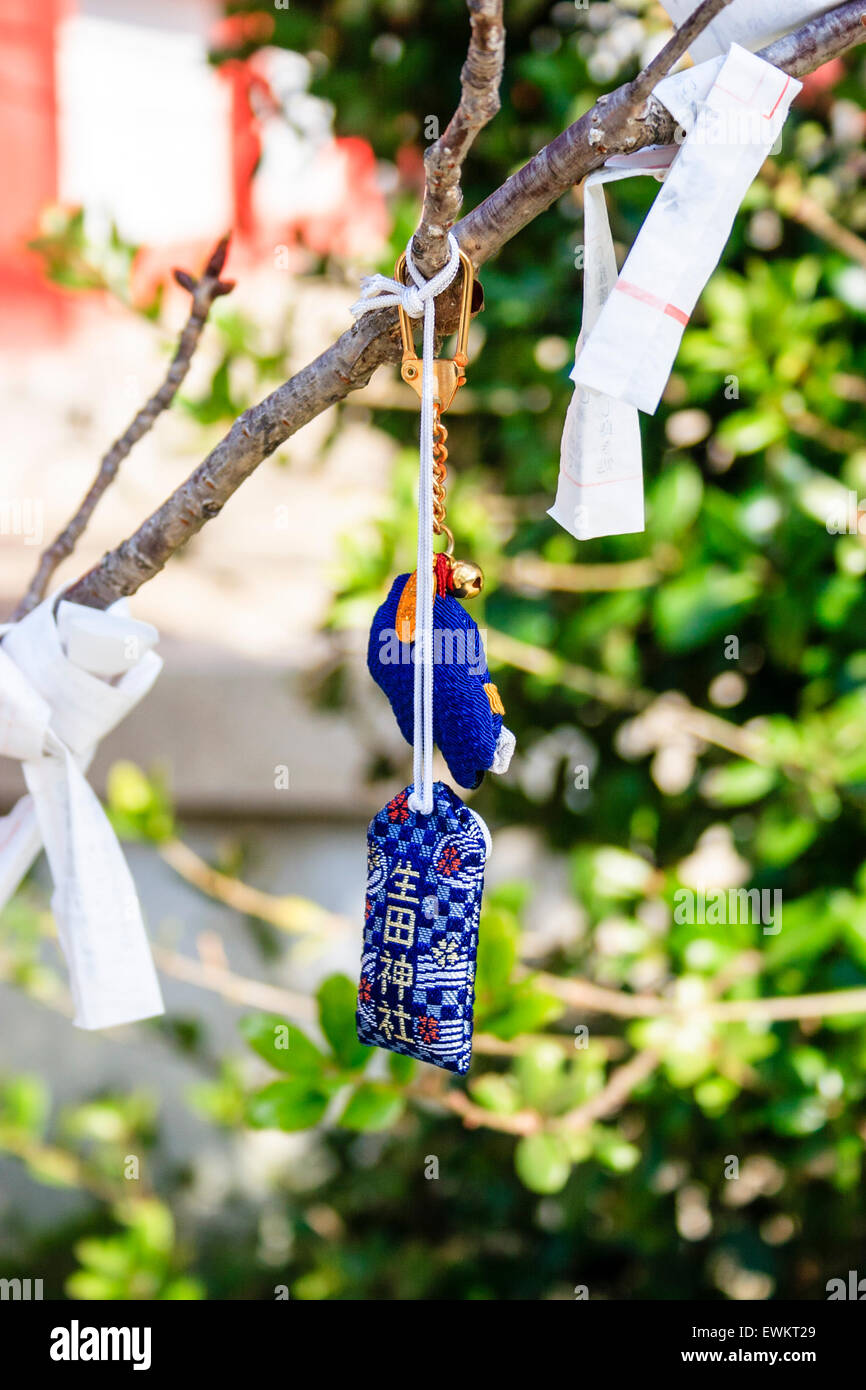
426, 851
425, 875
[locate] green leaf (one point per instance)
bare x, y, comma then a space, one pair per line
282, 1044
539, 1072
184, 1289
676, 500
701, 604
496, 1092
782, 836
747, 431
497, 949
738, 783
139, 806
372, 1106
402, 1068
542, 1162
614, 1152
809, 927
25, 1103
337, 1000
520, 1009
92, 1288
113, 1257
289, 1105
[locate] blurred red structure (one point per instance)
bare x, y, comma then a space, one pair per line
112, 105
28, 138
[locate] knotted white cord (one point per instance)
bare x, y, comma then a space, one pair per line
379, 292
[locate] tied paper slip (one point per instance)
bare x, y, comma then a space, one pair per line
751, 23
631, 350
600, 491
54, 710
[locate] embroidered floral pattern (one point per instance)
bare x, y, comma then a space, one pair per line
428, 1029
449, 861
365, 994
446, 952
397, 808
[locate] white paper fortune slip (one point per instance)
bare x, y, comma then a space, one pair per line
600, 491
53, 712
733, 111
751, 23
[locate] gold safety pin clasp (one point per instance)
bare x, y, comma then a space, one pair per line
450, 372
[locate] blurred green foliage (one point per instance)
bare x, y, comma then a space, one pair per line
733, 1168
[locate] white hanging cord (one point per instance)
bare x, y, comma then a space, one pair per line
379, 292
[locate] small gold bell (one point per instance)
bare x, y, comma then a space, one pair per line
467, 579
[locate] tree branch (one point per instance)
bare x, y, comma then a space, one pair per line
793, 201
615, 1092
597, 999
616, 124
677, 46
527, 571
203, 291
286, 911
443, 161
612, 127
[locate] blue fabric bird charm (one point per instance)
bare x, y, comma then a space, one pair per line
467, 709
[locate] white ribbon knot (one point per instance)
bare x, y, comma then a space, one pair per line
53, 714
381, 292
378, 292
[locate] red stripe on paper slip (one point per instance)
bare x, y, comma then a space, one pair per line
773, 109
626, 287
750, 100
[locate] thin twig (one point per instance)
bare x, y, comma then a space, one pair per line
203, 291
235, 989
643, 1064
56, 1166
815, 427
614, 1094
583, 995
614, 125
520, 1122
535, 573
536, 661
288, 912
443, 161
677, 46
793, 201
702, 724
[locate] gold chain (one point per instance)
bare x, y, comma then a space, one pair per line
440, 474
